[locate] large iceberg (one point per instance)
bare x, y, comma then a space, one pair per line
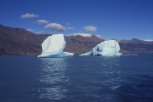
106, 48
53, 46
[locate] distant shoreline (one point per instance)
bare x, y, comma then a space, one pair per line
18, 41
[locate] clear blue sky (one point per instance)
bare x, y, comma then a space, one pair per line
120, 19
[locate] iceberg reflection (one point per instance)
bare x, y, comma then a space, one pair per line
53, 78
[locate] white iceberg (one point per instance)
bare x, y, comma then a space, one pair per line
106, 48
53, 46
87, 54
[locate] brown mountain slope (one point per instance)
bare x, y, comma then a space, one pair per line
79, 44
16, 41
136, 46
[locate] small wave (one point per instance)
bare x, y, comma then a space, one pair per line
53, 93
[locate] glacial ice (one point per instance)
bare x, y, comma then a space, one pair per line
106, 48
86, 54
53, 46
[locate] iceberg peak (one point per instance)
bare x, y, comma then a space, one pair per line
106, 48
53, 46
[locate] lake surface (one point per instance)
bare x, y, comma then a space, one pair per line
128, 78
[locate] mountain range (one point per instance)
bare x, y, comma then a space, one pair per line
19, 41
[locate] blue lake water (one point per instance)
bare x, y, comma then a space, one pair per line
128, 78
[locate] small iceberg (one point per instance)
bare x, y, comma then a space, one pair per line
106, 48
53, 46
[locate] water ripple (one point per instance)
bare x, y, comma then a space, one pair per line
53, 75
